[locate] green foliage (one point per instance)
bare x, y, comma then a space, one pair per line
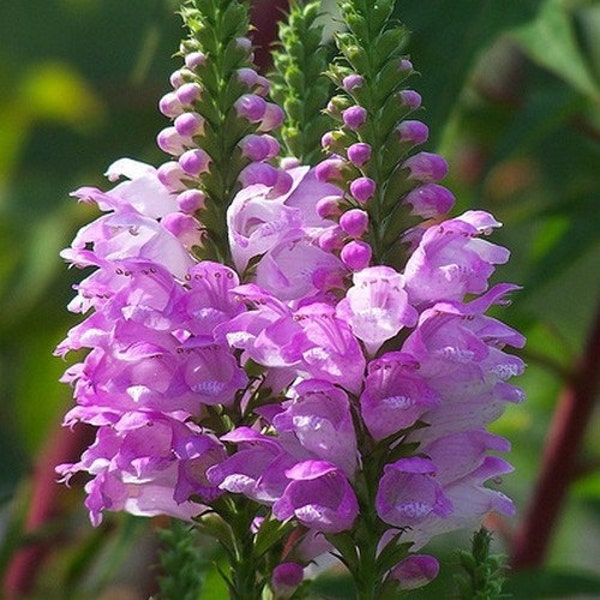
299, 84
483, 575
181, 562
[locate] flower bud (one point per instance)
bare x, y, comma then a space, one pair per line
170, 175
362, 189
328, 206
263, 86
244, 43
177, 78
354, 222
413, 132
170, 106
189, 124
273, 117
359, 154
183, 227
194, 60
410, 98
258, 172
286, 579
171, 142
190, 201
430, 200
331, 239
254, 147
426, 167
356, 255
330, 169
283, 183
289, 162
327, 140
194, 162
415, 571
405, 65
354, 117
188, 93
251, 107
247, 76
352, 81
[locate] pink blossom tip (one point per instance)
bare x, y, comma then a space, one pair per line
415, 571
356, 255
170, 106
184, 227
194, 162
251, 107
193, 60
189, 124
327, 140
247, 76
330, 169
413, 132
273, 117
411, 99
362, 189
258, 172
258, 148
359, 154
286, 579
171, 175
244, 43
171, 142
188, 93
405, 65
190, 201
352, 81
354, 117
328, 206
177, 79
426, 167
354, 222
430, 200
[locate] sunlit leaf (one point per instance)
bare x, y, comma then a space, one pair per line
550, 41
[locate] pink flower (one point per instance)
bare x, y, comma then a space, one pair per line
319, 496
376, 307
319, 416
451, 260
395, 395
408, 493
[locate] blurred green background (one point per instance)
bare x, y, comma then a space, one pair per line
512, 96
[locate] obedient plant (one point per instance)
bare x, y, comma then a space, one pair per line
288, 339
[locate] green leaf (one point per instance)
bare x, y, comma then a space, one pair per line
551, 583
270, 532
446, 43
550, 41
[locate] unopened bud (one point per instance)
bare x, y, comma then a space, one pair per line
359, 154
354, 222
362, 189
194, 162
426, 167
354, 117
356, 255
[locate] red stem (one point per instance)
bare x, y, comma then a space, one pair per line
559, 461
264, 17
46, 504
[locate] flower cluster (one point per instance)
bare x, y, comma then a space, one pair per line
250, 336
